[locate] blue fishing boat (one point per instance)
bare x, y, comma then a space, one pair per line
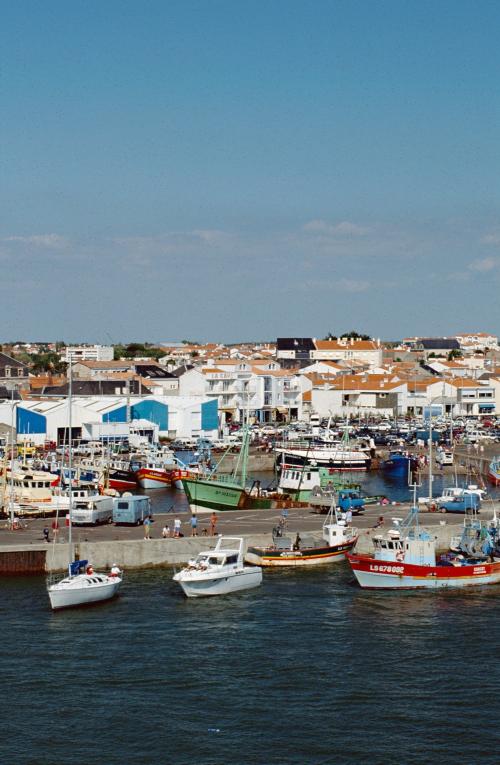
399, 463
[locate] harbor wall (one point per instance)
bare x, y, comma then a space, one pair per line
155, 553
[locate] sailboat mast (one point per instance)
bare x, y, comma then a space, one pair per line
70, 456
11, 500
430, 450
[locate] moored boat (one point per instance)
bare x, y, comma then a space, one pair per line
83, 586
336, 457
218, 491
399, 463
295, 550
406, 558
494, 471
154, 475
219, 571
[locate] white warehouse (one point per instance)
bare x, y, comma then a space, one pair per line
171, 416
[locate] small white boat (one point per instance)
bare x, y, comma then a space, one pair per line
83, 586
219, 571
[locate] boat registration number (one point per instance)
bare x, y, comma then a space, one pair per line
387, 569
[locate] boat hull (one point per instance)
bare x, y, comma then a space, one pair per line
205, 495
153, 479
212, 495
379, 574
80, 593
494, 472
397, 466
245, 579
335, 460
313, 556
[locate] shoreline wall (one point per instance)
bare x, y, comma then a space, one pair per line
154, 553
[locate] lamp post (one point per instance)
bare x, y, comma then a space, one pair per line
432, 400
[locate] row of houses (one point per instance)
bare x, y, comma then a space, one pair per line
290, 379
391, 396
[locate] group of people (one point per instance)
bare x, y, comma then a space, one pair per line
177, 532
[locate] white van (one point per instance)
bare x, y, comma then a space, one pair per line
93, 510
444, 457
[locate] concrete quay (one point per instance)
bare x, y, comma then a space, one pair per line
25, 552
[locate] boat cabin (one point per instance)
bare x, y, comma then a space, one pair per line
417, 549
35, 486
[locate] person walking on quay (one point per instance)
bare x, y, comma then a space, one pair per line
194, 525
166, 531
177, 527
213, 524
46, 534
55, 529
147, 528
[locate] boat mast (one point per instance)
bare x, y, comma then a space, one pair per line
430, 450
70, 457
11, 500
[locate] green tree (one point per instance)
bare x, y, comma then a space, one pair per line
43, 363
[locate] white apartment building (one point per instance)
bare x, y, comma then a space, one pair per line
87, 353
257, 391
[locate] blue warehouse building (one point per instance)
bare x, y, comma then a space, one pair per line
171, 416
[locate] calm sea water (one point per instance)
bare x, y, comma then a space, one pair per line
306, 669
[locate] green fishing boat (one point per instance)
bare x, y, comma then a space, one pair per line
219, 491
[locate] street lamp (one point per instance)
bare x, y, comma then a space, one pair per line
432, 400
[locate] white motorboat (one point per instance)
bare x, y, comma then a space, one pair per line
82, 586
219, 571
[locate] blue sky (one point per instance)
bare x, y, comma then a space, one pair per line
237, 170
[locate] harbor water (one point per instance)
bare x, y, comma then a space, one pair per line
307, 668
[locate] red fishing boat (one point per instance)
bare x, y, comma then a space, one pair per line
406, 558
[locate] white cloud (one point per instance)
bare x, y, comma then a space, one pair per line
344, 228
353, 285
51, 241
491, 239
211, 236
483, 265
